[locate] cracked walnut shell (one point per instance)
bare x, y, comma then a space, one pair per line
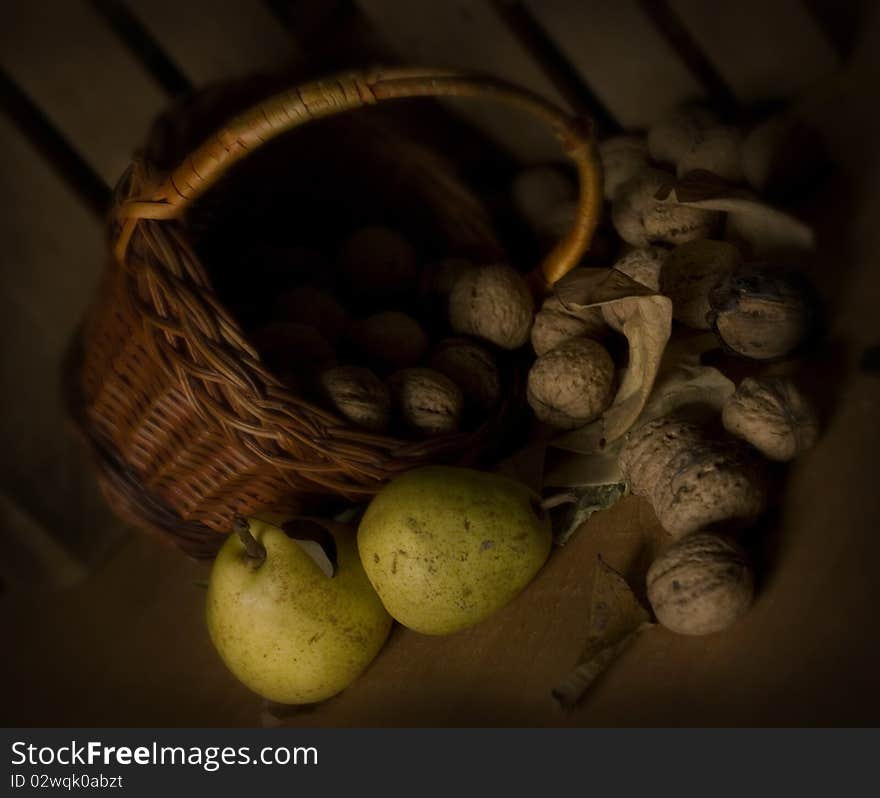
426, 400
359, 395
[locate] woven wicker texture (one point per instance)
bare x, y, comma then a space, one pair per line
186, 424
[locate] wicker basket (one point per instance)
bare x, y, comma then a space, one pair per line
186, 425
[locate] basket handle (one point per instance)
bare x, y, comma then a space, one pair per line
327, 97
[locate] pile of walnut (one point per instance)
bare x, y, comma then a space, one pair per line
380, 370
705, 487
373, 362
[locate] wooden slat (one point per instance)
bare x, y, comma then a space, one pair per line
53, 253
620, 54
469, 34
33, 558
212, 40
87, 83
764, 49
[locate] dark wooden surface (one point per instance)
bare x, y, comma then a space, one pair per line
124, 642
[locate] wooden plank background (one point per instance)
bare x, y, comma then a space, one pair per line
129, 635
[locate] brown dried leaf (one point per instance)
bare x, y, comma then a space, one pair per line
763, 229
644, 317
684, 384
590, 287
616, 618
585, 500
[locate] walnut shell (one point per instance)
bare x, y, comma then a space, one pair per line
538, 189
760, 315
676, 133
294, 352
710, 484
426, 400
555, 222
622, 157
472, 368
493, 303
772, 415
640, 219
690, 272
643, 264
571, 384
390, 339
648, 449
555, 324
718, 150
309, 304
700, 584
691, 481
359, 395
378, 263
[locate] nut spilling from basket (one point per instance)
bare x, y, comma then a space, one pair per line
631, 364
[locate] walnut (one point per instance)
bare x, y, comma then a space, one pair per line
378, 263
643, 265
717, 149
390, 339
571, 384
692, 482
294, 352
472, 368
426, 400
649, 448
556, 221
678, 132
555, 324
622, 157
493, 303
539, 189
690, 272
359, 395
700, 584
772, 415
710, 484
309, 304
760, 315
640, 219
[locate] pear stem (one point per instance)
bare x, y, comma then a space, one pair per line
254, 550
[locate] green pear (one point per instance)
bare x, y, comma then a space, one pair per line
290, 609
446, 547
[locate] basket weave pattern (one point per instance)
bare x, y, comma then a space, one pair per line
187, 426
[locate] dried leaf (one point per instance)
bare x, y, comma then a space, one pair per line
647, 323
567, 518
765, 230
591, 473
616, 618
567, 469
684, 384
586, 287
526, 465
644, 317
